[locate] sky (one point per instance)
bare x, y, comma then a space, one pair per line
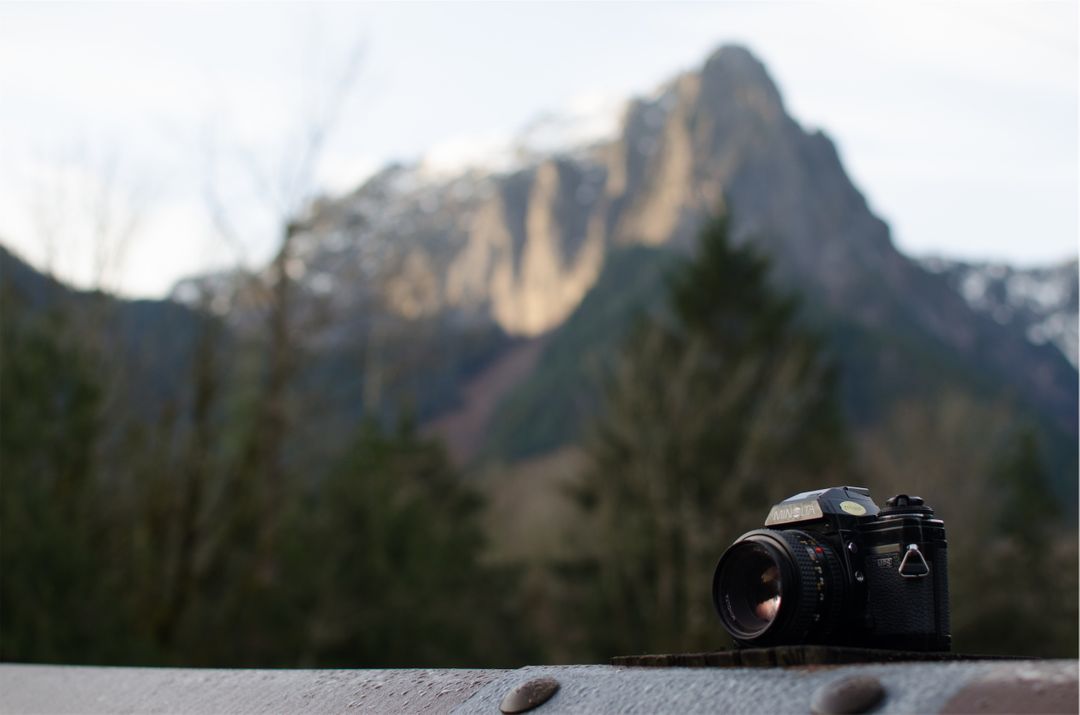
124, 125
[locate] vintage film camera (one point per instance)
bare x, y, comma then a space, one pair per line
832, 568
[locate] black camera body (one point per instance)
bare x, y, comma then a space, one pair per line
830, 567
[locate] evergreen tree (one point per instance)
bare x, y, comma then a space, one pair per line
53, 600
1017, 581
1028, 511
718, 406
399, 579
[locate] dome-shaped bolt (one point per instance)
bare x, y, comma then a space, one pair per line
530, 694
847, 696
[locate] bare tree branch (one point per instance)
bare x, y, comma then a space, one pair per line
215, 205
286, 193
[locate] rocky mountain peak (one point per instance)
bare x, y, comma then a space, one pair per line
734, 77
520, 249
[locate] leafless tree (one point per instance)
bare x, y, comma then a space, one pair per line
88, 201
285, 189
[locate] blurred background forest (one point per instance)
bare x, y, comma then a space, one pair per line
512, 416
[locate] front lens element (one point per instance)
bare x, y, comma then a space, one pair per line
750, 589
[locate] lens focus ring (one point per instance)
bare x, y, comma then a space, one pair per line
812, 606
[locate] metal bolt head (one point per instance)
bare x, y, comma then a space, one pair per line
855, 694
530, 694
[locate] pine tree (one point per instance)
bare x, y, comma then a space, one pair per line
52, 598
1017, 582
718, 406
399, 579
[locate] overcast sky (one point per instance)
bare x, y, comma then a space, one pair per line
958, 121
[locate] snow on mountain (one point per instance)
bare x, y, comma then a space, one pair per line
583, 123
1041, 301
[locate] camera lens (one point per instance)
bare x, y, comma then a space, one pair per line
773, 587
752, 588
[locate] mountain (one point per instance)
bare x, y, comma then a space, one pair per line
521, 250
1040, 302
148, 342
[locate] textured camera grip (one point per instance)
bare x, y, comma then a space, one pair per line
901, 606
941, 593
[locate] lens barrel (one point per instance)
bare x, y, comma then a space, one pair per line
774, 587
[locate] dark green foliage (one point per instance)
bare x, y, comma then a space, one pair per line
1023, 588
1028, 511
715, 408
49, 426
399, 580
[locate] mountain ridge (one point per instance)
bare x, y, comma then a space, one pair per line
522, 249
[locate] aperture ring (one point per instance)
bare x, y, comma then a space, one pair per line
815, 594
